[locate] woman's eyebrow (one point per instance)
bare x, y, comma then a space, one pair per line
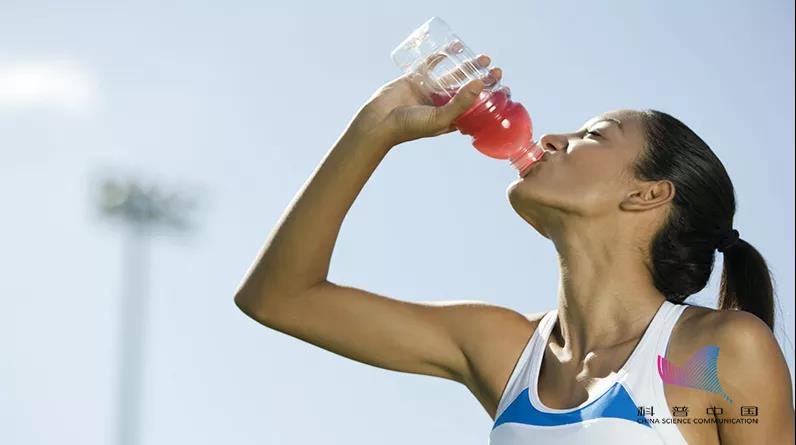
611, 119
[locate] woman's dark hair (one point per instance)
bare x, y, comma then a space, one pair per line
683, 250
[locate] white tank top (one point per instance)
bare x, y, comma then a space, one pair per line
627, 407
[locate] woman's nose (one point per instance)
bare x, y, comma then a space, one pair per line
554, 142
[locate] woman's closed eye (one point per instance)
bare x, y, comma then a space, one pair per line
593, 133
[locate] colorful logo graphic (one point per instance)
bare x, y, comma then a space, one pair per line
699, 371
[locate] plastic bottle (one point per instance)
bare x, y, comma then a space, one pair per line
439, 64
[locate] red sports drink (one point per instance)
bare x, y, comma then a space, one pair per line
441, 64
500, 127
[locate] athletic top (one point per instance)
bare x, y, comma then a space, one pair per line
627, 407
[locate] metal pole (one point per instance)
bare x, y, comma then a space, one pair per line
138, 209
132, 330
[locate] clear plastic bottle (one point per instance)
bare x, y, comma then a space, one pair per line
440, 63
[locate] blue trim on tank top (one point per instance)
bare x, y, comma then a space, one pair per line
615, 403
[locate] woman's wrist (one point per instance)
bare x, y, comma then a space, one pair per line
372, 139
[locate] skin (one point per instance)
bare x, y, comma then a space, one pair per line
578, 198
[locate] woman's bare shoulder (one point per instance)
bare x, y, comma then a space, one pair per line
535, 317
709, 323
750, 366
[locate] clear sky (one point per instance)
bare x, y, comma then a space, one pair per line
239, 101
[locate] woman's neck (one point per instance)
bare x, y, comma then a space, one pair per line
606, 295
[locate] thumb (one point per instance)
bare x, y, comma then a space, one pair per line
463, 99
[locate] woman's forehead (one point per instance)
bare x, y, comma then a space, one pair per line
622, 118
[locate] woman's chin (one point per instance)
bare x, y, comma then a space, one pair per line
521, 191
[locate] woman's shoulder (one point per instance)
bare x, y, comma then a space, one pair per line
742, 341
749, 363
719, 325
534, 318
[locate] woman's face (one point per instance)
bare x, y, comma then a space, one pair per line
586, 172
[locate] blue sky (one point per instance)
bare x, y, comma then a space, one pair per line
239, 102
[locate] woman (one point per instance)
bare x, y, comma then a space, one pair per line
635, 204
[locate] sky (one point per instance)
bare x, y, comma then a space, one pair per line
235, 104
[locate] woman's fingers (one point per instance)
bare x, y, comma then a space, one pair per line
495, 74
470, 70
448, 70
446, 114
457, 70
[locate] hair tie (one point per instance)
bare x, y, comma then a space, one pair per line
728, 240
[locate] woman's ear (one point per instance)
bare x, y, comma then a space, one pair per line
649, 195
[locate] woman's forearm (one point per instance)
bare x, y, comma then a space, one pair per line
298, 250
296, 254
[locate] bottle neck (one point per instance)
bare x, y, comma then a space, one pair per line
526, 155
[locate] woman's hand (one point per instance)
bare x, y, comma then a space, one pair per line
399, 112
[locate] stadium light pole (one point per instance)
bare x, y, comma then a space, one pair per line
139, 210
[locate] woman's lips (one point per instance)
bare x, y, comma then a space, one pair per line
542, 159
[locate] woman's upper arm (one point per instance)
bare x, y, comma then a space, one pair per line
431, 338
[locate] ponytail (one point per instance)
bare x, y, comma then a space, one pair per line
746, 282
700, 221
